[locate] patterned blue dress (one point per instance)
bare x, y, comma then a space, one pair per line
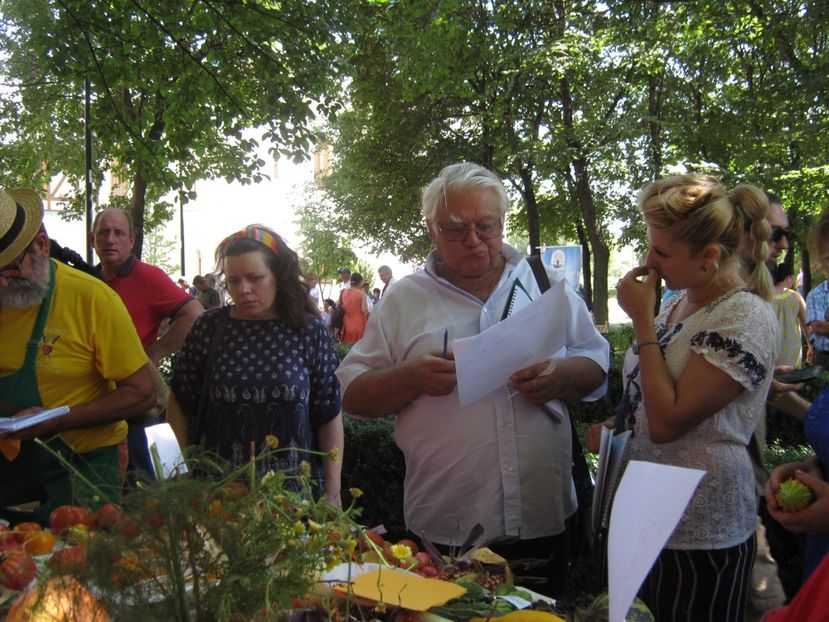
267, 379
816, 425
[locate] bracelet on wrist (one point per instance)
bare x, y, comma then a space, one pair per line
641, 344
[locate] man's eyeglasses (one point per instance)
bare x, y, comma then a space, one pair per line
457, 233
778, 233
14, 267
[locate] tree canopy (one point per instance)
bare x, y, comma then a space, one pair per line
577, 105
175, 87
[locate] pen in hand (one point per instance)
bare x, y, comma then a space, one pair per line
552, 414
446, 343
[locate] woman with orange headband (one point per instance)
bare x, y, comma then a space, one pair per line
261, 367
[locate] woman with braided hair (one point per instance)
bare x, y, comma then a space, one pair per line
696, 382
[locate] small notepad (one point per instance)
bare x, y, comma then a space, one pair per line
9, 425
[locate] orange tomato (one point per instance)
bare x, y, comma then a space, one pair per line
39, 542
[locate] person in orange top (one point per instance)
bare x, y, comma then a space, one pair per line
356, 310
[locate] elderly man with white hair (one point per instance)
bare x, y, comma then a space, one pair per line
502, 462
67, 340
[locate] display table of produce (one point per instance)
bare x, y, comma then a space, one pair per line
213, 548
45, 577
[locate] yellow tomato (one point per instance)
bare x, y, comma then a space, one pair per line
39, 542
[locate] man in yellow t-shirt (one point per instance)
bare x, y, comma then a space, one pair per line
67, 340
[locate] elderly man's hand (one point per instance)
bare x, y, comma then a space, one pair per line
538, 383
433, 374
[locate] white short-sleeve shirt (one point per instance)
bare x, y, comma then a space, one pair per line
501, 461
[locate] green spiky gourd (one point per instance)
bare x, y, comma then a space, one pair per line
793, 496
599, 611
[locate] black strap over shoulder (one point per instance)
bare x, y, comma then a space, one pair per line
581, 473
195, 428
540, 272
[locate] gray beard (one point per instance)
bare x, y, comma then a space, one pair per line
22, 293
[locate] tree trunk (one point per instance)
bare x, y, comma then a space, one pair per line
655, 123
139, 195
579, 165
586, 265
601, 252
806, 266
531, 203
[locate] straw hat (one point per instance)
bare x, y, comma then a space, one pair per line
21, 213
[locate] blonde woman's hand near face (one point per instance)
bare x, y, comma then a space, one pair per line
636, 293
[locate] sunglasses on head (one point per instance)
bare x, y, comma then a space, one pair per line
778, 233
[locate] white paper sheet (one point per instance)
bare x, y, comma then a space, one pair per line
484, 363
648, 505
164, 439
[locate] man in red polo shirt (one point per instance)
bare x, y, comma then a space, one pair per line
150, 297
148, 293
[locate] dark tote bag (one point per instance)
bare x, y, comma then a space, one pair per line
579, 523
338, 314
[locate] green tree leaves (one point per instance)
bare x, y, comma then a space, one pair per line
177, 87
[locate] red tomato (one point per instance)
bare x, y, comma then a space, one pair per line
17, 569
129, 527
111, 518
26, 527
429, 572
8, 538
23, 529
107, 516
65, 516
69, 559
367, 536
233, 491
423, 559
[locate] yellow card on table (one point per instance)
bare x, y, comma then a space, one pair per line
404, 589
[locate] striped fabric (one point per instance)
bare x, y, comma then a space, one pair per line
700, 585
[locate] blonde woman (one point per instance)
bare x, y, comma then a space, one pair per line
696, 382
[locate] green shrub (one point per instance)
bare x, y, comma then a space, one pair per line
620, 337
342, 349
373, 463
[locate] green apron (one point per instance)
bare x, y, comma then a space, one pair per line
36, 475
18, 390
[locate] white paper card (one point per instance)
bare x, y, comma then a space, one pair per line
485, 362
648, 505
164, 439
